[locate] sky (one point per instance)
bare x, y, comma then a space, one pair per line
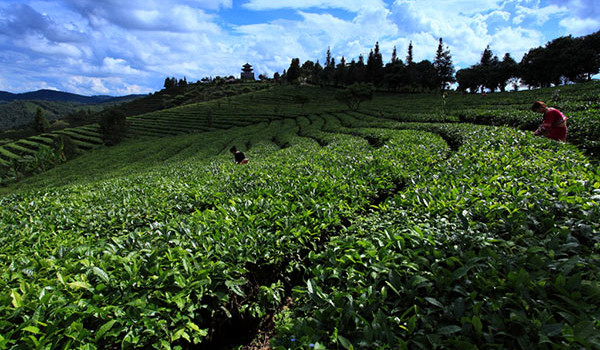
120, 47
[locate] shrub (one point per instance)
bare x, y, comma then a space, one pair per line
113, 127
355, 94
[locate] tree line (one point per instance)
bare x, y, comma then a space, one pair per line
395, 75
560, 61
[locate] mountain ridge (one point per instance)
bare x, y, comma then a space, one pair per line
60, 96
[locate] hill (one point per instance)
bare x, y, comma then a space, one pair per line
20, 111
53, 95
398, 225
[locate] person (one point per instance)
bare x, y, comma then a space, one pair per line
239, 157
554, 125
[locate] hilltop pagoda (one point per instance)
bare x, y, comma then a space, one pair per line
247, 72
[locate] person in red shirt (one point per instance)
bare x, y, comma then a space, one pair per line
554, 125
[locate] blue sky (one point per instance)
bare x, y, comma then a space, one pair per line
118, 47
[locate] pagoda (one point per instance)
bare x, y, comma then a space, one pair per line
247, 72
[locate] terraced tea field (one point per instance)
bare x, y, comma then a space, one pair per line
345, 230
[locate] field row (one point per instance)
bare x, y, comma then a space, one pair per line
85, 138
382, 237
210, 231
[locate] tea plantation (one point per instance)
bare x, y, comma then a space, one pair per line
347, 229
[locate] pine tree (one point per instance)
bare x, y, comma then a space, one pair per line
340, 73
486, 57
443, 66
293, 73
409, 57
40, 122
508, 71
394, 56
170, 82
316, 73
488, 67
375, 66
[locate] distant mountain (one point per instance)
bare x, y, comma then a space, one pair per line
59, 96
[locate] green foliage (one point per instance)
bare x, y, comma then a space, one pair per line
301, 100
40, 123
462, 256
42, 159
293, 73
353, 95
113, 127
443, 66
369, 232
67, 148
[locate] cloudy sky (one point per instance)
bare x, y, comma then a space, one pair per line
119, 47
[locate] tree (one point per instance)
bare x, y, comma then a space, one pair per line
170, 82
315, 76
182, 82
508, 70
486, 56
375, 66
359, 74
293, 73
395, 74
469, 79
493, 77
351, 73
339, 76
590, 55
306, 70
426, 77
394, 56
40, 123
327, 75
534, 68
443, 66
409, 56
65, 148
562, 55
354, 94
328, 58
113, 127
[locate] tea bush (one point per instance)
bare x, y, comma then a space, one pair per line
348, 229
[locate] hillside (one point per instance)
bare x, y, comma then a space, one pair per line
17, 111
402, 224
60, 96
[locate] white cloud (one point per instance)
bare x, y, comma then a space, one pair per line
41, 45
212, 4
580, 8
309, 37
83, 85
131, 89
538, 15
516, 41
580, 26
349, 5
112, 46
118, 66
151, 15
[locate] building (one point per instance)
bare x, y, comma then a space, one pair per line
247, 72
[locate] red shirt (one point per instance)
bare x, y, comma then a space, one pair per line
555, 124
